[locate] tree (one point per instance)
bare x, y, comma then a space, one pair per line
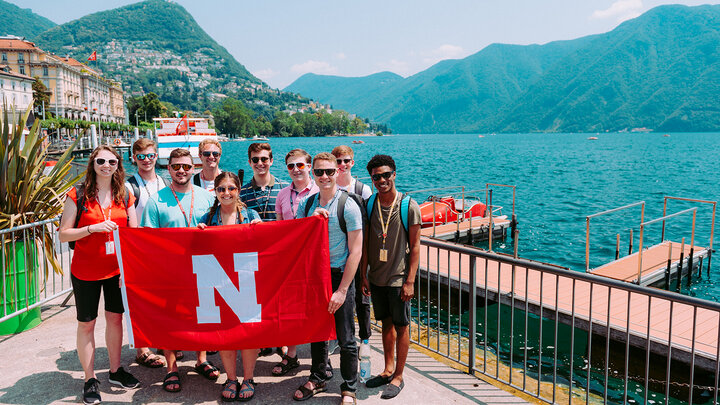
40, 94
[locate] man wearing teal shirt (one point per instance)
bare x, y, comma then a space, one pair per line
178, 206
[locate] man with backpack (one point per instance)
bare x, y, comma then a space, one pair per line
210, 151
345, 158
392, 252
144, 184
345, 243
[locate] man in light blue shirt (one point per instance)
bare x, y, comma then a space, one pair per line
178, 206
345, 254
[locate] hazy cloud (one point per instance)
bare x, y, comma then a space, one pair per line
340, 56
446, 51
621, 10
265, 74
314, 66
395, 66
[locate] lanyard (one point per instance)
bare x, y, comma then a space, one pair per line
297, 193
157, 184
237, 217
383, 224
192, 204
108, 217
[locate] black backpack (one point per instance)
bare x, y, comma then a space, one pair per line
136, 187
80, 205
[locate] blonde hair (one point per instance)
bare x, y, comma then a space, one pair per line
208, 141
343, 150
143, 143
298, 152
325, 156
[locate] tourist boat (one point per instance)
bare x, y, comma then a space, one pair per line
449, 209
593, 138
358, 141
185, 132
259, 138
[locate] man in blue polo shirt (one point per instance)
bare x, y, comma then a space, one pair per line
345, 254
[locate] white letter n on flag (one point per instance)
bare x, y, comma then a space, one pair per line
211, 276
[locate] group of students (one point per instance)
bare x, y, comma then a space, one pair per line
374, 243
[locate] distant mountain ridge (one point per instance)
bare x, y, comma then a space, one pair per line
21, 22
658, 71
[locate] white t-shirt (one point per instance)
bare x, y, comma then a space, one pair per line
366, 190
147, 189
208, 185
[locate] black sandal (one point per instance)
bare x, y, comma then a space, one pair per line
233, 392
290, 363
308, 393
246, 386
168, 382
206, 369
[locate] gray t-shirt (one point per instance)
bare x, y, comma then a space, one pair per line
393, 272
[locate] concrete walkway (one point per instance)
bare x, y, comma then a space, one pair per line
40, 366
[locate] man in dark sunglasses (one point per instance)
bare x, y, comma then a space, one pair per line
260, 193
392, 253
345, 253
180, 205
210, 152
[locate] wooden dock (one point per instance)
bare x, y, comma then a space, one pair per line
571, 299
478, 227
654, 263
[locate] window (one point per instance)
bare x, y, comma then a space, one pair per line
2, 83
22, 69
45, 71
21, 58
4, 57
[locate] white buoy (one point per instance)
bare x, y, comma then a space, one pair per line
136, 134
93, 136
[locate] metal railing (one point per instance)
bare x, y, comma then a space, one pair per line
563, 336
712, 224
28, 277
610, 211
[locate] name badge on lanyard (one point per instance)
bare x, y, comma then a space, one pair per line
109, 247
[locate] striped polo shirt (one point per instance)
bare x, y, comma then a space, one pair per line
262, 199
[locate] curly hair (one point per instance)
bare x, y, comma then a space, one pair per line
118, 178
380, 160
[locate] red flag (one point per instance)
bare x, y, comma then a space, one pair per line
227, 287
93, 56
182, 127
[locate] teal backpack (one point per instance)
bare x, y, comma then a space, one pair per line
404, 210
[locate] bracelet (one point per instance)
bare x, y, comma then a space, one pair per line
88, 229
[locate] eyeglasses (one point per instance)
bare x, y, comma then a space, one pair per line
208, 154
101, 161
341, 161
320, 172
222, 189
142, 156
378, 176
299, 166
177, 166
256, 159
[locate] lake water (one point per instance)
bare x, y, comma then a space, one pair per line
560, 179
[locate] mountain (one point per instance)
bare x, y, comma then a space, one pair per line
658, 71
21, 22
157, 46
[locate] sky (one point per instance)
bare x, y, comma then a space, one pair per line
279, 41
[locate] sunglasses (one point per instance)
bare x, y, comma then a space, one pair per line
299, 166
256, 159
320, 172
378, 176
177, 166
101, 161
222, 189
142, 156
341, 161
208, 154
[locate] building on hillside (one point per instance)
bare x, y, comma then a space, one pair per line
77, 90
15, 91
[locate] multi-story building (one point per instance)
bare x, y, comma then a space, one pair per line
77, 90
15, 92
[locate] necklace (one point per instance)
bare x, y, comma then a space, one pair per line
385, 226
192, 204
145, 185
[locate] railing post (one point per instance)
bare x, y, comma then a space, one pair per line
668, 270
587, 244
662, 234
640, 244
472, 315
617, 247
490, 224
631, 242
680, 265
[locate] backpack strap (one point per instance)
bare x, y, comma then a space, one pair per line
135, 188
405, 213
310, 201
341, 211
196, 179
164, 181
370, 205
359, 187
79, 203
